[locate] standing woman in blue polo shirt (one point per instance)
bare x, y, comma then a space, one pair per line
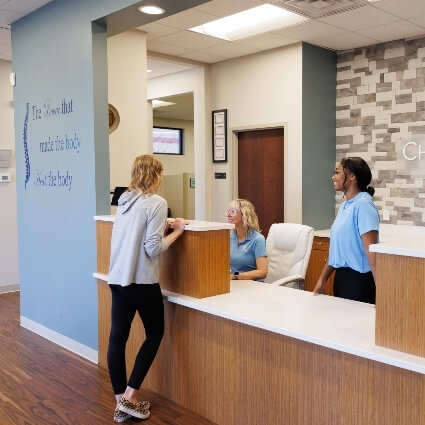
356, 226
248, 257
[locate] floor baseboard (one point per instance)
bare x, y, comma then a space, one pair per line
59, 339
9, 288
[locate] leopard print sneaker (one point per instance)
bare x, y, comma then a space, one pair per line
120, 416
138, 410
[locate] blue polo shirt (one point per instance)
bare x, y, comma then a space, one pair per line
355, 217
243, 255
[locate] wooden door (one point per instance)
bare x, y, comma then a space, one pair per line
260, 173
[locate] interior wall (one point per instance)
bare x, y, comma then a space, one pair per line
380, 107
9, 276
127, 88
196, 81
258, 91
319, 138
178, 164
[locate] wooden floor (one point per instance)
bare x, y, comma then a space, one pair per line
44, 384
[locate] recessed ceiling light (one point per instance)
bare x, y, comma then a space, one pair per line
258, 20
151, 10
148, 70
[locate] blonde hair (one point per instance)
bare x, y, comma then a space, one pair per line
249, 216
146, 175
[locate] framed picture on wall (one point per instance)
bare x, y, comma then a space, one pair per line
219, 136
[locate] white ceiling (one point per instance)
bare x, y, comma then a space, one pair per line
372, 23
381, 21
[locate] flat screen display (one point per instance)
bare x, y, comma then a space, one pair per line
167, 140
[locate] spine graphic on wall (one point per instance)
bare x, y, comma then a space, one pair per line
27, 158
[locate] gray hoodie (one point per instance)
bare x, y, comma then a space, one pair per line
137, 239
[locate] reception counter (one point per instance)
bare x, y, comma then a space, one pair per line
400, 289
263, 354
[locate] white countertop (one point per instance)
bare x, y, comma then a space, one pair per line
335, 323
325, 233
401, 240
194, 225
395, 239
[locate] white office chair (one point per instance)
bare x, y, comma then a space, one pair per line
288, 252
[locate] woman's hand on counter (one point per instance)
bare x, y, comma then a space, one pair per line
323, 278
178, 225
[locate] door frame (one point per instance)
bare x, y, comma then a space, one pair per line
234, 146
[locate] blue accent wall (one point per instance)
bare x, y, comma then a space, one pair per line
62, 154
319, 135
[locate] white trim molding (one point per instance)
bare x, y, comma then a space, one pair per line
62, 340
9, 288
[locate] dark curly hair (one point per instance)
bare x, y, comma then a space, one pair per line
361, 170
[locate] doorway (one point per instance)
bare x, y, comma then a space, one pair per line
261, 173
171, 113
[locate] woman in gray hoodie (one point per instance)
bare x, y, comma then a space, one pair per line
137, 241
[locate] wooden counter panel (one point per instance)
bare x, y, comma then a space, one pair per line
197, 264
400, 303
103, 236
235, 374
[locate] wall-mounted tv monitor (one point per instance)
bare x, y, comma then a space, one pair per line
167, 140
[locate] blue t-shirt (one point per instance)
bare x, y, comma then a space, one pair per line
243, 255
355, 217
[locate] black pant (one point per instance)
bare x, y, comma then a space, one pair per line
354, 285
146, 299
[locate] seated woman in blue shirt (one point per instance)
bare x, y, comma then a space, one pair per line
248, 257
355, 227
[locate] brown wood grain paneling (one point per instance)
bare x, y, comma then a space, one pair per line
103, 236
400, 303
197, 264
235, 374
318, 258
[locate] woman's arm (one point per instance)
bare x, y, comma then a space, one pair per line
178, 228
259, 273
324, 276
370, 238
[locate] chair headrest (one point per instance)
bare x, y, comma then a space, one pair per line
284, 236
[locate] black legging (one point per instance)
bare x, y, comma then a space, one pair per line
354, 285
146, 299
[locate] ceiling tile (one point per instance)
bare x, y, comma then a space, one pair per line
203, 57
362, 17
155, 30
7, 17
419, 20
344, 41
191, 40
187, 19
402, 8
266, 41
162, 67
230, 50
393, 31
223, 8
5, 36
168, 49
309, 30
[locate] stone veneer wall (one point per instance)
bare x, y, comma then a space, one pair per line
381, 99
